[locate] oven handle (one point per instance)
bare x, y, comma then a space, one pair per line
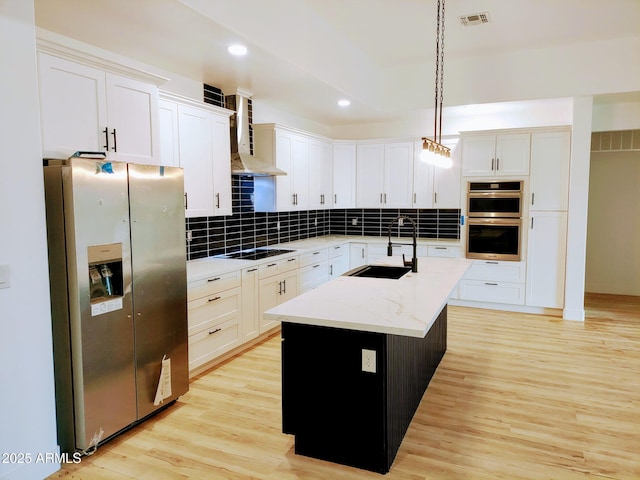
500, 194
494, 221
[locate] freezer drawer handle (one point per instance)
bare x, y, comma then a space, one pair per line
215, 331
213, 279
213, 299
115, 141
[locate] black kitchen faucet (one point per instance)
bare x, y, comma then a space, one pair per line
413, 263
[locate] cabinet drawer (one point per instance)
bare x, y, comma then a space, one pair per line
213, 284
277, 266
339, 250
494, 271
495, 292
210, 343
313, 275
314, 257
439, 251
210, 311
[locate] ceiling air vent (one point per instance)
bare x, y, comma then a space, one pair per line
474, 19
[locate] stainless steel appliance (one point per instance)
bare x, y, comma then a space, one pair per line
494, 220
118, 294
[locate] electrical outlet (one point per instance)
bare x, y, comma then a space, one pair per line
278, 226
354, 221
315, 222
189, 235
368, 360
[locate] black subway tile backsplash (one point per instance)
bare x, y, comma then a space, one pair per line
248, 229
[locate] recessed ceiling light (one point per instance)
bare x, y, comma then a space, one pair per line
344, 102
237, 49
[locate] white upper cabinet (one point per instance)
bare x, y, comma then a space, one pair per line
398, 175
88, 109
307, 161
549, 180
344, 175
435, 187
168, 127
195, 136
384, 175
370, 176
501, 155
320, 174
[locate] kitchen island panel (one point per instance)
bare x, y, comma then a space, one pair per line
340, 413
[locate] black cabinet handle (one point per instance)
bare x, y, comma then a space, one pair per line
115, 141
214, 299
291, 260
106, 138
214, 331
279, 288
217, 200
252, 270
271, 265
213, 279
186, 201
491, 284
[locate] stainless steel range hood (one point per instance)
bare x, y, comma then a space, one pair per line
242, 162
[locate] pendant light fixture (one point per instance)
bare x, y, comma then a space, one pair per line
433, 151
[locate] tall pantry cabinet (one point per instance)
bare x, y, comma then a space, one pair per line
547, 221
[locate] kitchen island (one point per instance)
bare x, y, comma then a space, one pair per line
357, 356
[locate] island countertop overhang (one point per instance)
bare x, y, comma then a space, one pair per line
407, 306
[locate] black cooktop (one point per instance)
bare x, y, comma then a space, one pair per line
257, 253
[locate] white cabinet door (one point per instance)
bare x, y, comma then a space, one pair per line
398, 175
250, 304
478, 155
273, 291
549, 180
300, 177
435, 187
344, 176
168, 128
132, 110
284, 161
196, 158
496, 155
221, 164
423, 194
446, 185
370, 171
512, 154
73, 107
546, 259
357, 254
320, 174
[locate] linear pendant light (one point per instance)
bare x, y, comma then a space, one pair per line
433, 151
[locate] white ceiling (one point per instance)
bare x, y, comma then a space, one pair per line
306, 54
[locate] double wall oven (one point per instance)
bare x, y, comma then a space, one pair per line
494, 220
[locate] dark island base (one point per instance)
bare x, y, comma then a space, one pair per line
341, 414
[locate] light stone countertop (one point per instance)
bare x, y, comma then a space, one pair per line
206, 267
407, 306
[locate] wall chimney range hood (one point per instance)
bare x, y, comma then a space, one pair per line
242, 161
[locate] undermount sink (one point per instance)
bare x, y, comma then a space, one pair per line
380, 271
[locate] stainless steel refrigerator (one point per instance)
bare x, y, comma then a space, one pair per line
117, 268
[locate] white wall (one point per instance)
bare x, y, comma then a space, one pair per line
27, 406
613, 233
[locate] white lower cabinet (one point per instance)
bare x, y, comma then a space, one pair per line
546, 259
495, 282
338, 260
278, 282
250, 304
314, 269
272, 292
214, 314
357, 254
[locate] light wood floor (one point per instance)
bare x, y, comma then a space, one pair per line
516, 396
